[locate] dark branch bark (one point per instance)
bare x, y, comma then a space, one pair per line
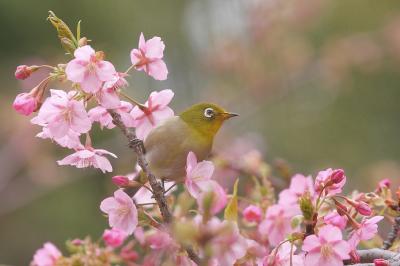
367, 257
388, 243
158, 191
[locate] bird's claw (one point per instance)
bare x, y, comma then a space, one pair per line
136, 144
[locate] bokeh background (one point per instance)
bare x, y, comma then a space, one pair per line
316, 83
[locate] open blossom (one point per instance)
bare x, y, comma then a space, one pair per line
89, 70
60, 113
335, 219
122, 212
156, 111
252, 213
324, 179
277, 223
148, 57
101, 115
214, 195
299, 185
25, 103
159, 240
198, 175
70, 140
367, 230
108, 96
46, 256
114, 237
282, 257
87, 156
328, 248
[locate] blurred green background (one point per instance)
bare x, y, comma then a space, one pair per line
315, 82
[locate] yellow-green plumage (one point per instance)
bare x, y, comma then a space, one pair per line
168, 145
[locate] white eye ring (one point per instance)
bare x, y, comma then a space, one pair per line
209, 112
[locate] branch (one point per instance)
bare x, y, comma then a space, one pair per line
388, 243
158, 191
367, 257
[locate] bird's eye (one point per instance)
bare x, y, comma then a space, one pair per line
209, 112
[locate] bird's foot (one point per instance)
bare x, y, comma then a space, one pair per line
137, 144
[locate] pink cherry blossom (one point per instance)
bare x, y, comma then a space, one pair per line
122, 212
328, 248
114, 237
218, 197
25, 103
324, 179
70, 140
148, 57
198, 175
277, 223
335, 219
88, 156
46, 256
108, 96
367, 230
89, 70
60, 113
282, 256
159, 240
156, 111
252, 213
299, 185
101, 115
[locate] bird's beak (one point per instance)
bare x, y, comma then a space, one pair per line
227, 115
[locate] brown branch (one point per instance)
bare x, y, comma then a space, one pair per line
388, 243
367, 257
158, 190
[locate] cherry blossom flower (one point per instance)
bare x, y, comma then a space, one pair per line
214, 195
114, 237
89, 70
332, 186
367, 230
328, 248
108, 96
88, 156
156, 111
252, 213
148, 57
101, 115
25, 103
46, 256
299, 185
282, 256
159, 240
70, 140
122, 212
60, 113
335, 219
198, 175
277, 223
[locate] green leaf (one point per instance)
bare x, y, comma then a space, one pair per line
231, 210
78, 31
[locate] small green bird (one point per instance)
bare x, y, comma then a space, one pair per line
168, 144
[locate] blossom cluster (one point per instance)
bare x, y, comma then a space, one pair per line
310, 223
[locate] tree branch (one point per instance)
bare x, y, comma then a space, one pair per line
158, 191
367, 257
388, 243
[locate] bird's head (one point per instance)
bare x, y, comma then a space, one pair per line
207, 118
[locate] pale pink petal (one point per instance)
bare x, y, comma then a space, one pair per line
342, 249
191, 161
105, 70
135, 56
311, 243
313, 259
155, 48
108, 205
143, 129
108, 98
330, 233
76, 70
142, 42
158, 70
84, 52
91, 83
161, 98
103, 164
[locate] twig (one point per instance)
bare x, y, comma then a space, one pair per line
388, 243
158, 191
367, 257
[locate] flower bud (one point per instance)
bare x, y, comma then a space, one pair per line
120, 180
296, 221
363, 208
82, 41
384, 183
24, 71
65, 35
25, 103
114, 237
381, 262
307, 207
252, 213
337, 176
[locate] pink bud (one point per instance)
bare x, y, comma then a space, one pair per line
77, 242
23, 72
384, 183
252, 213
381, 262
120, 180
363, 208
25, 103
337, 176
128, 254
114, 237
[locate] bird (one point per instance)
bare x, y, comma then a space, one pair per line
193, 130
